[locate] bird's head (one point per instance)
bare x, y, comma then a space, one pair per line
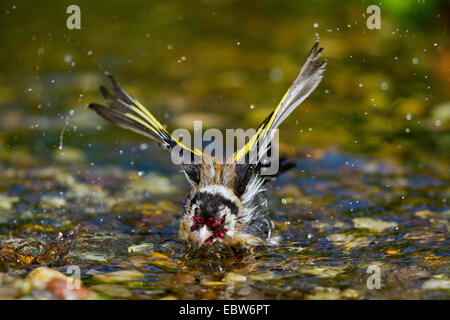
212, 211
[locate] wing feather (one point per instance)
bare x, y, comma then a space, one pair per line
307, 80
127, 112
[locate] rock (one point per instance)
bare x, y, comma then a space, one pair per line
373, 225
40, 277
112, 290
410, 273
325, 272
48, 202
61, 289
350, 294
184, 278
27, 252
349, 241
243, 292
436, 284
324, 294
214, 283
425, 236
262, 276
140, 247
424, 214
91, 256
9, 293
231, 277
170, 297
392, 251
6, 203
119, 276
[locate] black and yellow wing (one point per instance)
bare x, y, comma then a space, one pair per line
127, 112
307, 80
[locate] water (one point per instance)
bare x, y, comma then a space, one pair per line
369, 191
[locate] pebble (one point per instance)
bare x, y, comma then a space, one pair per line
231, 277
349, 241
373, 225
91, 256
436, 284
119, 276
184, 278
350, 294
262, 276
140, 247
326, 272
112, 290
41, 276
49, 202
60, 289
6, 203
324, 294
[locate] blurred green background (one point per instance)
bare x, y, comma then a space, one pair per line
385, 93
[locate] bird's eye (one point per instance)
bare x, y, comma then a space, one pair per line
196, 211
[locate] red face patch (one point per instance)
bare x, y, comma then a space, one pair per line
216, 227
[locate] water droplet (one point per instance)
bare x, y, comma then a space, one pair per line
316, 25
67, 58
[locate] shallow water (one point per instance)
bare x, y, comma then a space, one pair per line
94, 219
371, 146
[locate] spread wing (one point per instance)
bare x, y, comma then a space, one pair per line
307, 80
127, 112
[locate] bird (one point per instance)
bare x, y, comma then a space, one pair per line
227, 203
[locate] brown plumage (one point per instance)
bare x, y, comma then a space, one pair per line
226, 203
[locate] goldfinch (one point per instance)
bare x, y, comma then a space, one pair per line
226, 203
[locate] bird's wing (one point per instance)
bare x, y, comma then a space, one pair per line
127, 112
307, 80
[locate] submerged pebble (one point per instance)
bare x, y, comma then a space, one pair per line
6, 203
119, 276
324, 294
234, 277
112, 290
374, 225
326, 272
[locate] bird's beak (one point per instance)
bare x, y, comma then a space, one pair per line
203, 235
